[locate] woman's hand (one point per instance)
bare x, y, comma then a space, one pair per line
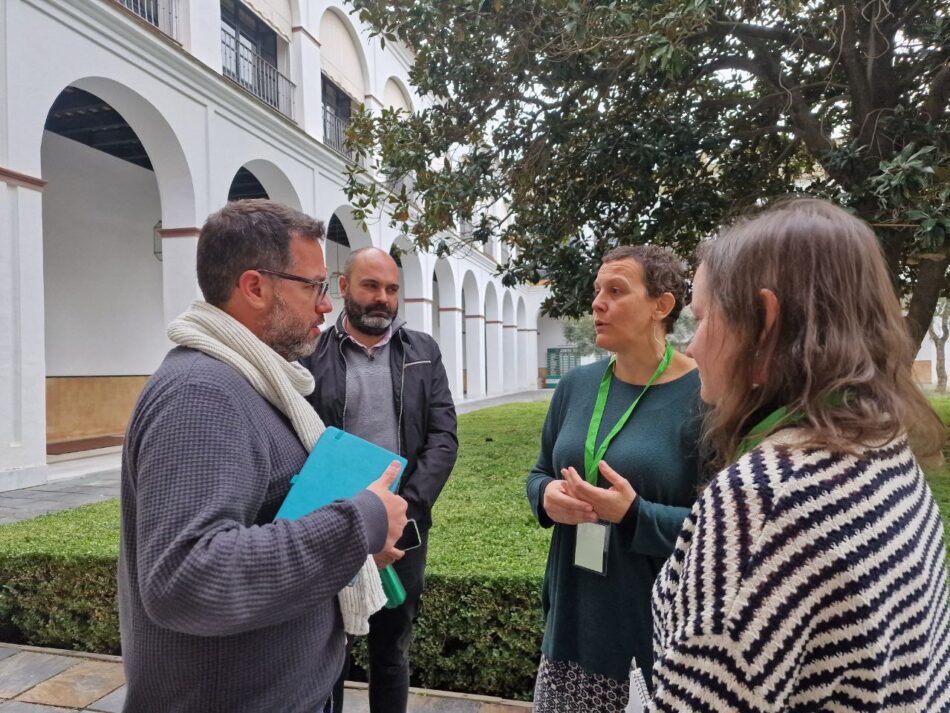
610, 504
563, 508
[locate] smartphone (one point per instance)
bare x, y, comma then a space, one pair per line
410, 539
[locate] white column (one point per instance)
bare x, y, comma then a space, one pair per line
494, 354
450, 341
22, 333
308, 96
475, 354
531, 358
526, 363
418, 310
200, 23
179, 270
511, 362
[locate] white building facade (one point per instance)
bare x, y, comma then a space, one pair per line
123, 124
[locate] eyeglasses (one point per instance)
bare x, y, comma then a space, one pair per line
320, 288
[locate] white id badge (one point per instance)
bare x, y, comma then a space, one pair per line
590, 549
638, 692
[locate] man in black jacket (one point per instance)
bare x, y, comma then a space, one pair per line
385, 383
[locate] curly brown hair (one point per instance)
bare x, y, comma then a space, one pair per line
662, 272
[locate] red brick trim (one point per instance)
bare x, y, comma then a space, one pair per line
179, 232
15, 178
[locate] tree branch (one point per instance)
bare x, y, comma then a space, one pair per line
861, 102
939, 95
746, 31
803, 121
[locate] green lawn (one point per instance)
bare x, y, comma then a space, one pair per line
939, 479
483, 523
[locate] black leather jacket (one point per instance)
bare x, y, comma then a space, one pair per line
426, 412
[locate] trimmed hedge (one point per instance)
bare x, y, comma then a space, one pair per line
480, 626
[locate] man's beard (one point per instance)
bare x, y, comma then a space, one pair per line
286, 335
360, 317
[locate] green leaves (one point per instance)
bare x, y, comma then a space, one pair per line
602, 122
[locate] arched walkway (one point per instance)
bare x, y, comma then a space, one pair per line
115, 175
509, 342
494, 352
447, 323
474, 337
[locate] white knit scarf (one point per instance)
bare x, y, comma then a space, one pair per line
284, 384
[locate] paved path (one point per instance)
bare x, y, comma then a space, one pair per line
80, 481
35, 680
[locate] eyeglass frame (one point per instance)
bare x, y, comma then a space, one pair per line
322, 287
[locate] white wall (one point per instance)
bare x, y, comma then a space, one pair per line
928, 351
103, 284
550, 334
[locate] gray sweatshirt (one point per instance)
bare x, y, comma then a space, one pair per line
222, 609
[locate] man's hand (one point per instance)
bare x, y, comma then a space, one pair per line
563, 507
395, 505
387, 557
610, 504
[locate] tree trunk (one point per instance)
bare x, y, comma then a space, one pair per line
931, 281
940, 343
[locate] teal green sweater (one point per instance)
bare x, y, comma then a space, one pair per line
603, 622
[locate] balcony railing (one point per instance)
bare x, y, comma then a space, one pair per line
163, 14
334, 132
255, 73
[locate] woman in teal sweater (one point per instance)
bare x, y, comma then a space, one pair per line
613, 532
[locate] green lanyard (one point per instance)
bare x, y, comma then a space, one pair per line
593, 454
760, 430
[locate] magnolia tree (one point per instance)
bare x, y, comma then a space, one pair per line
565, 127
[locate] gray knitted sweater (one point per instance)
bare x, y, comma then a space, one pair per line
222, 609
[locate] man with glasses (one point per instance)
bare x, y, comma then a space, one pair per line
221, 607
386, 383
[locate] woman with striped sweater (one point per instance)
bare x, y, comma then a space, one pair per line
811, 574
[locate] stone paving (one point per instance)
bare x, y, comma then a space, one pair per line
35, 680
27, 503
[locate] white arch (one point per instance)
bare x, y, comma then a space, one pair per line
169, 162
355, 234
415, 297
527, 345
494, 339
508, 310
447, 319
492, 308
474, 337
509, 343
396, 94
333, 22
275, 182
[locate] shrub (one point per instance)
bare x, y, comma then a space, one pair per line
480, 625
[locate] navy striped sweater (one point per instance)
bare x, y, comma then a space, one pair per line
806, 581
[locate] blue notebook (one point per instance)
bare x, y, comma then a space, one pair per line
339, 466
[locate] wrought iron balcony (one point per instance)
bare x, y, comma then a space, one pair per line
163, 14
256, 74
334, 132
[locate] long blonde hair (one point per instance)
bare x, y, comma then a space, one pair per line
839, 352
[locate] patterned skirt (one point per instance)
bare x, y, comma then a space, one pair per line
564, 687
